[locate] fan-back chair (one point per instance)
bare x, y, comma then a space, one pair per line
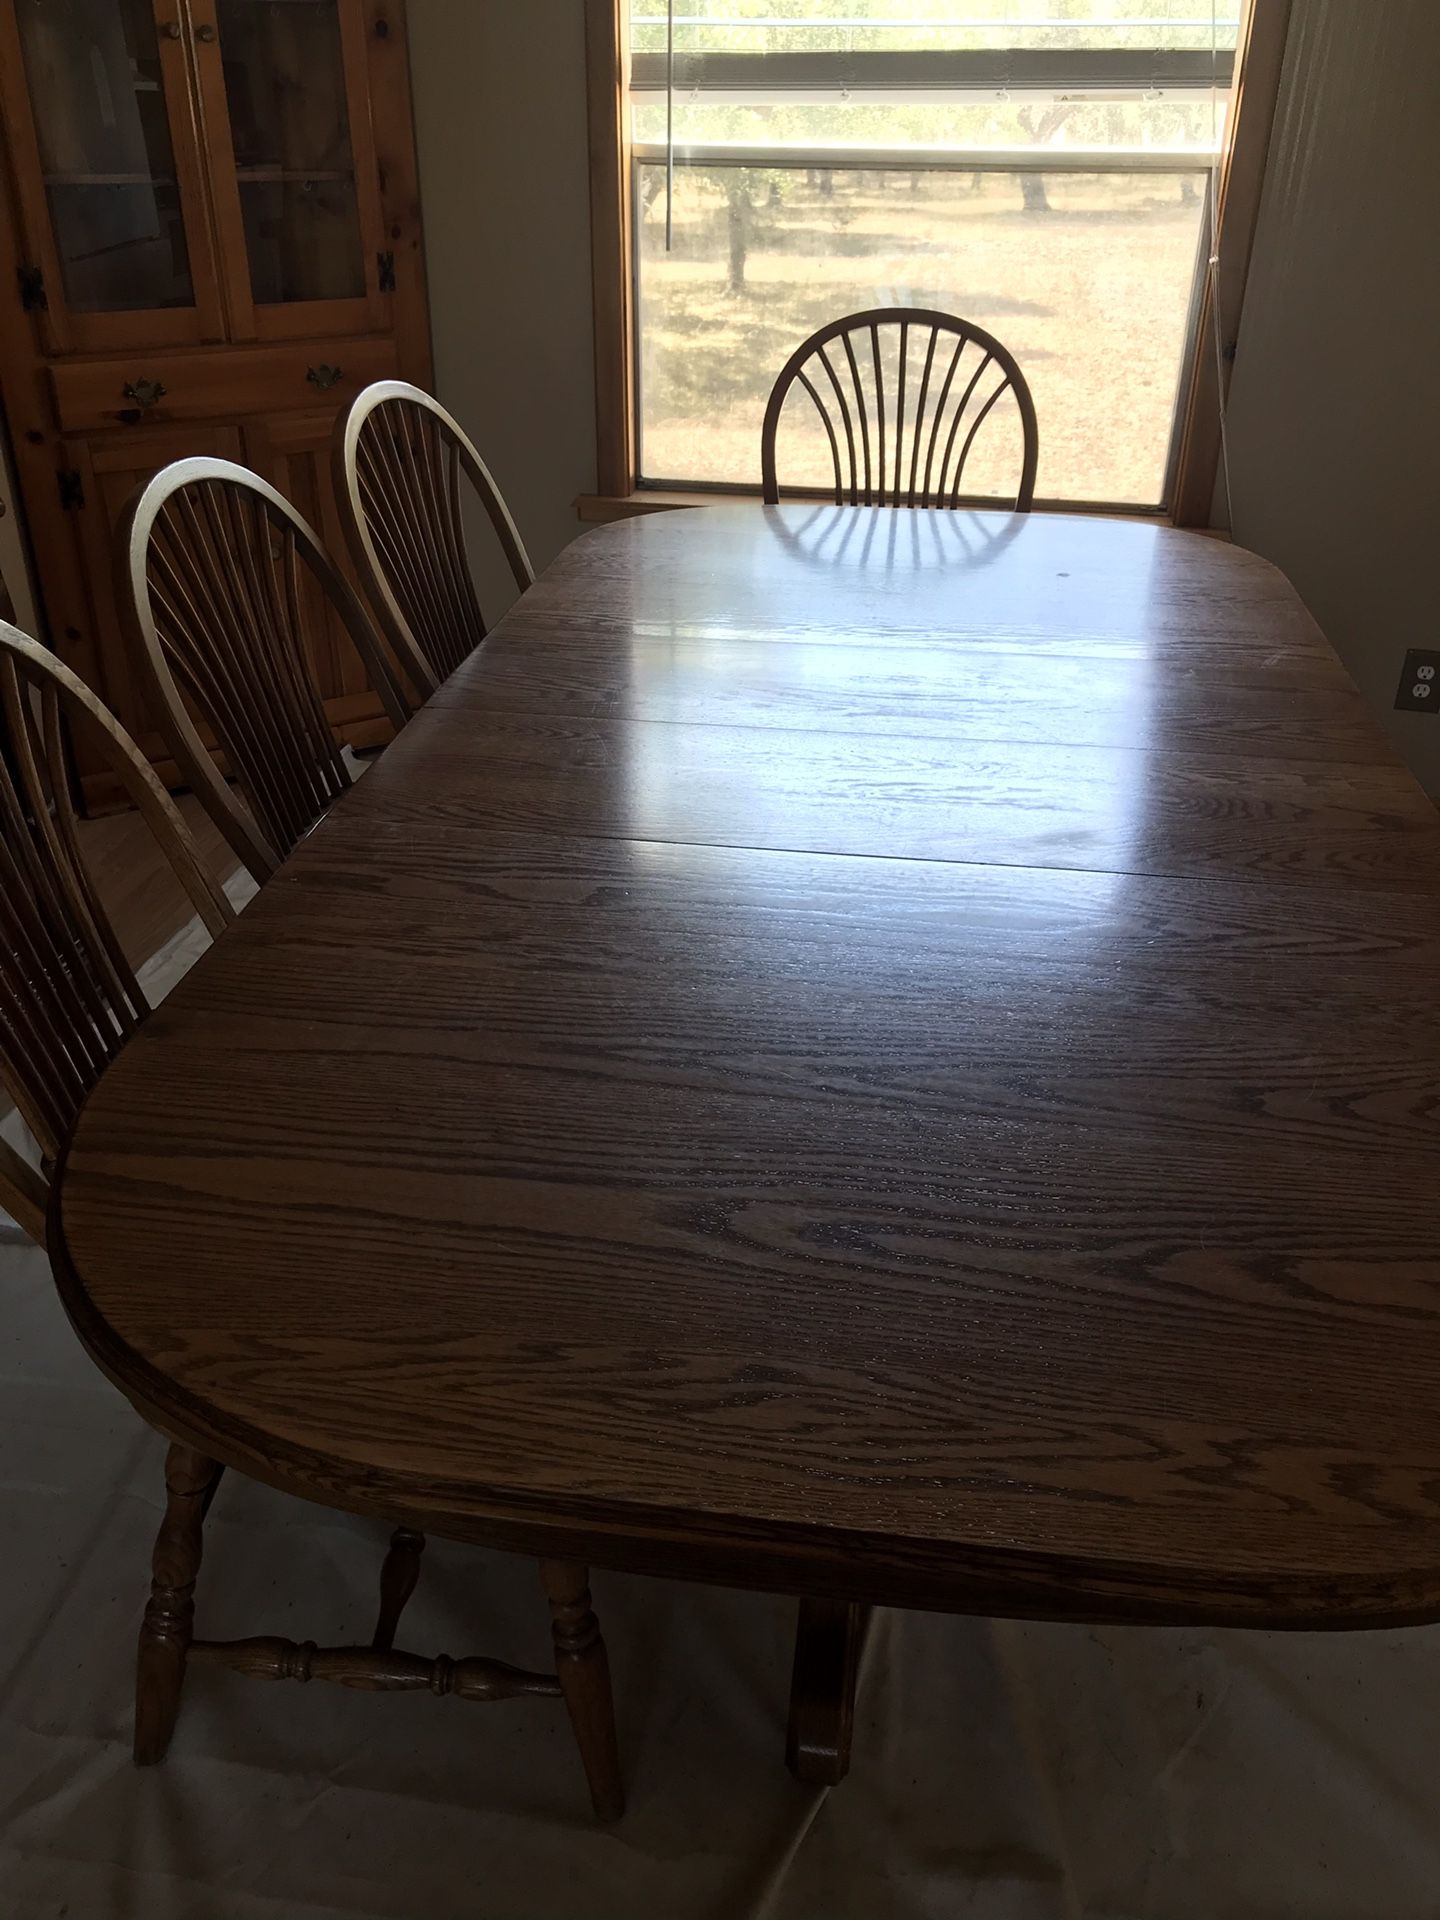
225, 588
909, 420
399, 459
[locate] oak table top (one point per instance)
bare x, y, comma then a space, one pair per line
885, 1055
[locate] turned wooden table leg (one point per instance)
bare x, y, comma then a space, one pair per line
398, 1579
168, 1626
828, 1640
584, 1674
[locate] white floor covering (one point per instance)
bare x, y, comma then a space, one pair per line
1002, 1772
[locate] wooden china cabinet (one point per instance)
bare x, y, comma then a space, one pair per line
212, 229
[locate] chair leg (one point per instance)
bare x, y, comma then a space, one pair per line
584, 1674
828, 1640
398, 1579
168, 1626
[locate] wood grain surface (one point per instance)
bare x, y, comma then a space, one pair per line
887, 1060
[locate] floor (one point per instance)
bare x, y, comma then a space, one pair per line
1003, 1772
134, 880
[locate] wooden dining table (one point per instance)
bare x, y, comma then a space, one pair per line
889, 1057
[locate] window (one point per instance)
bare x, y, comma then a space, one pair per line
1040, 167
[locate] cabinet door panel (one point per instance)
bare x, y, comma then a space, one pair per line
99, 115
293, 164
293, 453
111, 466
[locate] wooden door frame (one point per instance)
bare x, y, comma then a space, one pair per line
392, 121
607, 55
1258, 64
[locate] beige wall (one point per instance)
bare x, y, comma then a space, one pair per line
504, 175
1335, 404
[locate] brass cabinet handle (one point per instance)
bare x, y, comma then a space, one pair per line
205, 33
172, 30
323, 376
145, 393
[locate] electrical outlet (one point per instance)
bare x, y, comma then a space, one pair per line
1419, 689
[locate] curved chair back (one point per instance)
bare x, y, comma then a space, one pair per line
399, 457
68, 995
214, 564
902, 419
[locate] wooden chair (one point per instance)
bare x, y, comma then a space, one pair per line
894, 457
69, 1001
222, 583
399, 457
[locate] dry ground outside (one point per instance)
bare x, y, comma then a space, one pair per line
1092, 296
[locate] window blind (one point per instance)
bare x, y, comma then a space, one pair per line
880, 48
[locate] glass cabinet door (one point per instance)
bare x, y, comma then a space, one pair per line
107, 171
306, 209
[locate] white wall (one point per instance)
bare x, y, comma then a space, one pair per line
1335, 403
500, 119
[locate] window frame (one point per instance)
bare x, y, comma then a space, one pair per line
1195, 449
